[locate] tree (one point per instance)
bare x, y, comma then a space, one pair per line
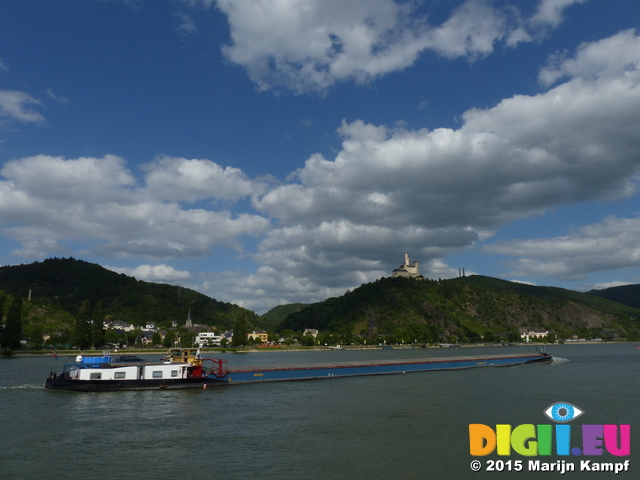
240, 330
97, 327
514, 335
82, 335
187, 339
2, 297
169, 339
35, 335
113, 338
287, 333
13, 327
156, 339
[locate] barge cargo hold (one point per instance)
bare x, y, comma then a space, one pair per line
279, 373
185, 369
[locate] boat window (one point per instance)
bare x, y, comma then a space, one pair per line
157, 374
96, 376
121, 375
174, 373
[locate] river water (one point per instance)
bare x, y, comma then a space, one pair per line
412, 426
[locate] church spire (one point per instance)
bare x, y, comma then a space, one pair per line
189, 323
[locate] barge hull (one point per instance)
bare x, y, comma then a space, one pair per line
280, 373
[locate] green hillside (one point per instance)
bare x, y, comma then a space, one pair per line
626, 294
276, 315
63, 284
465, 308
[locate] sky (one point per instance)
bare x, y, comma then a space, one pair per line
283, 151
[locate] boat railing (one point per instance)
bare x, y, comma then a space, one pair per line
215, 367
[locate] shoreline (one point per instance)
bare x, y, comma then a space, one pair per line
158, 351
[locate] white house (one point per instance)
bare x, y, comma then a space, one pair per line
312, 332
208, 338
527, 334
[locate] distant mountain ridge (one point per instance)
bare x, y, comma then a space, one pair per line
625, 294
404, 308
465, 307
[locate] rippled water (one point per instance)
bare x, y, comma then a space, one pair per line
394, 426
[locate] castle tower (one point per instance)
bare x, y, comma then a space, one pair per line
407, 269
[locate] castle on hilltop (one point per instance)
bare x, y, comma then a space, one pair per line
407, 269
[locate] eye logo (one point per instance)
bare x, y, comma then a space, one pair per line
563, 412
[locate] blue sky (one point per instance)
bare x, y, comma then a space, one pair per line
269, 152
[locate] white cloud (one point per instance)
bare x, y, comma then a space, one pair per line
609, 245
550, 12
471, 31
187, 26
603, 285
15, 105
36, 245
573, 143
51, 199
179, 179
56, 178
523, 282
266, 288
59, 99
361, 40
154, 273
607, 59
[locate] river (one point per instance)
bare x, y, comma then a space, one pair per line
413, 426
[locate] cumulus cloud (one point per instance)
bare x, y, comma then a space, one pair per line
609, 245
362, 40
18, 106
550, 12
52, 199
607, 59
154, 273
266, 288
179, 179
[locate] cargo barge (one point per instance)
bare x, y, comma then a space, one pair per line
184, 368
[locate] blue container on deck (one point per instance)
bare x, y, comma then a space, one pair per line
101, 359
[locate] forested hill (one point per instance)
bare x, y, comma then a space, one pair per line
65, 283
466, 307
625, 294
276, 315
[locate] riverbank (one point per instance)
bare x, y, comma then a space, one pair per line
287, 348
